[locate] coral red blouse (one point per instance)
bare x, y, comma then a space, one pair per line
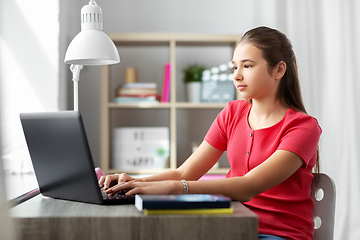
286, 209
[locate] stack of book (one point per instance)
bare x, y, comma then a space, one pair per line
137, 92
183, 204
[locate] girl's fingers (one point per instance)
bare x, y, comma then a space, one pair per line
124, 178
119, 187
109, 179
101, 181
133, 191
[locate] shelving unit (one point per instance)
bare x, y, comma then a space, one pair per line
169, 44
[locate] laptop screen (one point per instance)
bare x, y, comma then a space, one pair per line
61, 156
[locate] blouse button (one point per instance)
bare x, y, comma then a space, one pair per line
247, 154
251, 134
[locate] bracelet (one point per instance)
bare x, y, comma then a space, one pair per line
186, 186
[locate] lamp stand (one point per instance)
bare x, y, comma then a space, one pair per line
75, 69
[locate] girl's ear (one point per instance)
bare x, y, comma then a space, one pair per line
280, 70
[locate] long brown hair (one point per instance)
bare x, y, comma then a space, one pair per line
276, 47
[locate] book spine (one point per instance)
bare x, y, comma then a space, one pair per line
134, 99
138, 95
166, 83
190, 211
133, 91
183, 205
139, 85
138, 202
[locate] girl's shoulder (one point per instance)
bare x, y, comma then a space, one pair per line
294, 117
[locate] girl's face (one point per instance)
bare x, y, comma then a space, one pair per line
251, 74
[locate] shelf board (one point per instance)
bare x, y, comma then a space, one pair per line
139, 105
180, 38
183, 105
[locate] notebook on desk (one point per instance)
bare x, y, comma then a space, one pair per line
61, 157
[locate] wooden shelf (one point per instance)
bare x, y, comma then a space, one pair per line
171, 42
139, 105
179, 38
168, 105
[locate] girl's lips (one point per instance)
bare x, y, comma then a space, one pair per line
241, 87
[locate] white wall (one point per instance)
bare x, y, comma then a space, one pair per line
29, 33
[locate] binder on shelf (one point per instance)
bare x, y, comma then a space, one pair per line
188, 201
140, 148
166, 83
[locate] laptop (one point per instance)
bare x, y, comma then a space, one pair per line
61, 158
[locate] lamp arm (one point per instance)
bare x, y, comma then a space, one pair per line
75, 69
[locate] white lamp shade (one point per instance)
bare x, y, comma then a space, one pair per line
92, 47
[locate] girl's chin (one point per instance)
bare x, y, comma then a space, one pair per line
244, 96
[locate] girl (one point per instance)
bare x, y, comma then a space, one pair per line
271, 143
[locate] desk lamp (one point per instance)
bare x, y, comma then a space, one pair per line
91, 46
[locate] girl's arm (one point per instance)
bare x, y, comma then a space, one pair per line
277, 168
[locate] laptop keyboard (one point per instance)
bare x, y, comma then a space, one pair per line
117, 198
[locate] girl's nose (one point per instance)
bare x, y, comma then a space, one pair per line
238, 76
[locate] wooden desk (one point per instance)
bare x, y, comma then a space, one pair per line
47, 218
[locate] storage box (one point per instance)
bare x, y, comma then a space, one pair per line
217, 91
140, 148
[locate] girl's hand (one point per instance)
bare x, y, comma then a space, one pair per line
109, 180
152, 188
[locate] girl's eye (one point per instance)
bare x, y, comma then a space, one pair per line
247, 66
234, 68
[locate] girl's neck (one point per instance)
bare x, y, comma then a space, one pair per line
265, 114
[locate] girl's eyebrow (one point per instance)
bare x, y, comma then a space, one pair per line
244, 60
247, 60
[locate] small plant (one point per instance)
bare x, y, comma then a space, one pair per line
193, 73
